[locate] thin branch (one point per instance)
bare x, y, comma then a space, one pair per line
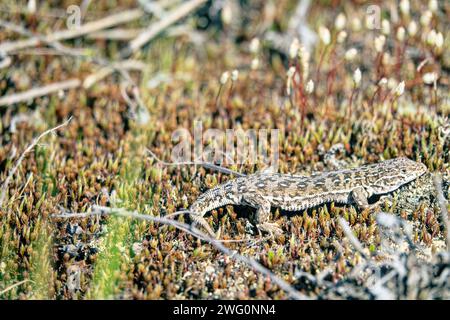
104, 23
42, 38
93, 78
98, 210
443, 208
4, 187
153, 30
39, 52
39, 92
208, 165
14, 285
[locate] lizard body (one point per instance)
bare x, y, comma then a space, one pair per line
295, 192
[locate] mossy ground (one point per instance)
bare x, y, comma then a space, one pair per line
100, 157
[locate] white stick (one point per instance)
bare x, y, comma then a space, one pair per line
154, 29
39, 92
93, 78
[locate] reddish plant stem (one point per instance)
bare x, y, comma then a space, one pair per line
298, 87
377, 90
400, 53
230, 92
379, 65
331, 76
319, 66
350, 105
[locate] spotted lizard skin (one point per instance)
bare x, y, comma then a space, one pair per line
294, 192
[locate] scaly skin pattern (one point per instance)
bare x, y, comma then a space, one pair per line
294, 192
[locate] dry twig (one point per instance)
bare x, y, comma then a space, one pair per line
93, 78
154, 29
4, 187
119, 34
201, 163
39, 92
14, 285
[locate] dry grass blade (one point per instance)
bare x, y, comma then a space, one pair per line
4, 187
43, 39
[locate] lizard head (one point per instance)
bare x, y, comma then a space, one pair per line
397, 172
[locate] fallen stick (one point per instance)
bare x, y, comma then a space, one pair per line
104, 23
41, 39
208, 165
39, 92
14, 285
11, 173
115, 34
157, 27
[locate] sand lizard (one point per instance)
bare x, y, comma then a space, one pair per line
294, 192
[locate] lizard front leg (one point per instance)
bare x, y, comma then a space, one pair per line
359, 196
262, 213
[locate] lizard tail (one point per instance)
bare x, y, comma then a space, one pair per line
196, 219
219, 196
